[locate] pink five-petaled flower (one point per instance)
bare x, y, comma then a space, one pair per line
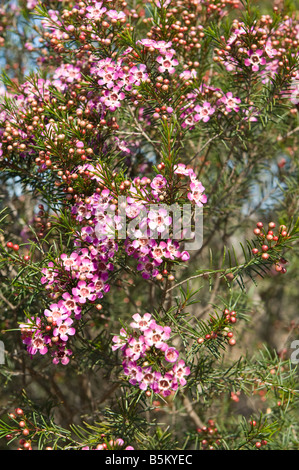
132, 370
159, 220
61, 355
158, 183
231, 103
180, 370
167, 63
148, 378
112, 98
71, 261
58, 312
95, 12
171, 355
71, 305
255, 59
196, 193
116, 15
37, 343
64, 329
120, 340
147, 267
83, 292
157, 336
204, 112
142, 323
135, 348
164, 384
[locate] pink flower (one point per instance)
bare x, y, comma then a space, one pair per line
185, 256
61, 355
58, 312
171, 355
116, 15
172, 250
148, 378
196, 193
69, 261
64, 329
180, 371
269, 50
95, 12
158, 183
158, 251
38, 343
83, 292
157, 336
204, 112
255, 59
136, 348
137, 74
132, 370
147, 267
112, 98
71, 305
159, 220
231, 103
167, 63
142, 323
120, 340
164, 384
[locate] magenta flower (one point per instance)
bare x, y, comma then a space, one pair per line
171, 355
165, 384
157, 336
71, 305
147, 267
158, 251
148, 378
69, 261
180, 371
64, 329
136, 348
172, 250
204, 112
112, 98
185, 256
62, 355
255, 59
231, 103
133, 371
158, 183
83, 292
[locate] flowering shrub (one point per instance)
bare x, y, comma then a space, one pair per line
152, 340
139, 143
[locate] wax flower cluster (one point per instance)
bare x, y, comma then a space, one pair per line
147, 356
81, 277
